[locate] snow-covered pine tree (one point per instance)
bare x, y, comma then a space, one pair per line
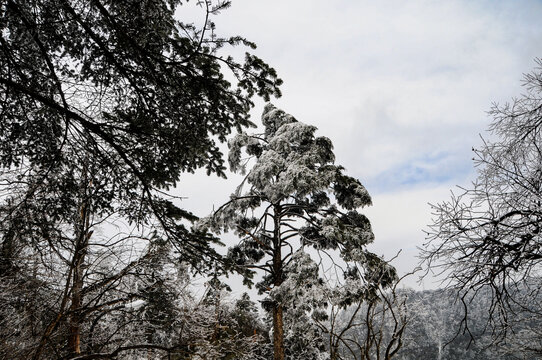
293, 197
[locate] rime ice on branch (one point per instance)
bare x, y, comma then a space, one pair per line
294, 198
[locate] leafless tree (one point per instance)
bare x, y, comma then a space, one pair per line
488, 237
370, 328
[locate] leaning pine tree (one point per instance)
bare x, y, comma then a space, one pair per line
294, 197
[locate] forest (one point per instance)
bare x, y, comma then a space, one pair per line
106, 106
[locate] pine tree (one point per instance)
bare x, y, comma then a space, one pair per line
294, 196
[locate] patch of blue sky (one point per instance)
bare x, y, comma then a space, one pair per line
426, 171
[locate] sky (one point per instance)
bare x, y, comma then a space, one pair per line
402, 88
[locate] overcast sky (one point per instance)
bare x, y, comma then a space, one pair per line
401, 88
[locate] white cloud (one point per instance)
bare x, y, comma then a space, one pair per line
399, 220
390, 81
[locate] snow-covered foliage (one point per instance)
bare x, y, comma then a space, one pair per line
294, 170
148, 312
169, 316
302, 286
291, 161
294, 198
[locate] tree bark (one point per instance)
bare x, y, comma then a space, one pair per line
278, 332
74, 340
278, 322
83, 234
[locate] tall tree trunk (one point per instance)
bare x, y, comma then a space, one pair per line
83, 234
278, 332
278, 321
74, 340
148, 339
